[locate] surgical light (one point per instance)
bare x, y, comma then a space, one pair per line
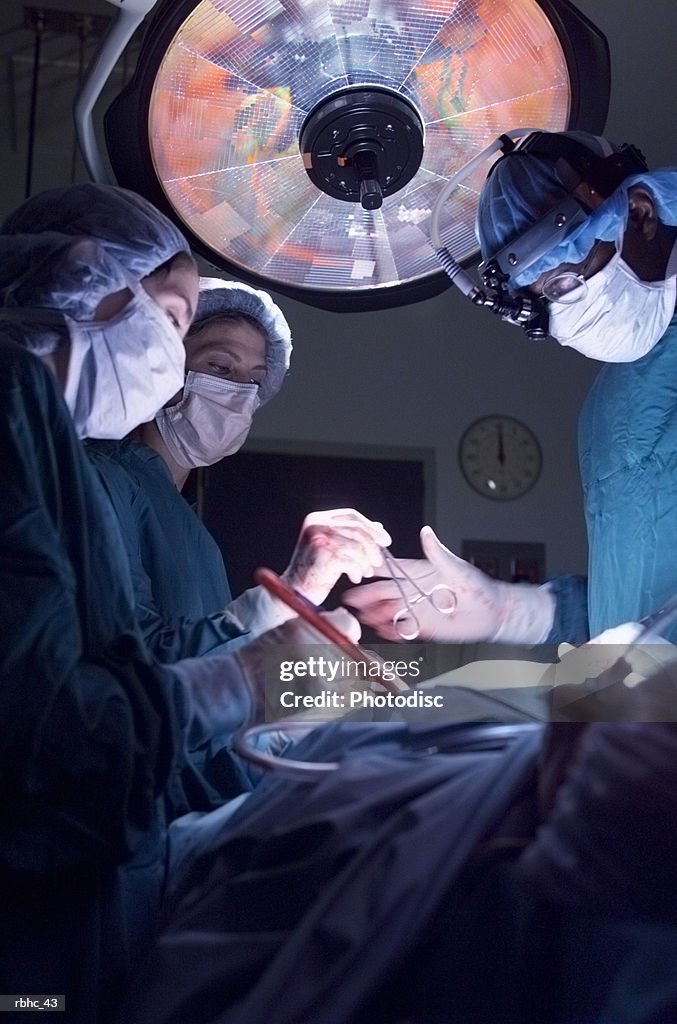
301, 144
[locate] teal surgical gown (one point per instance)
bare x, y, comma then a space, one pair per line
627, 440
628, 458
94, 733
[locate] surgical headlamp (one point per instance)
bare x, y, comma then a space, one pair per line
575, 164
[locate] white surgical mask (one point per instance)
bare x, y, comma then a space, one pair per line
212, 419
619, 319
122, 370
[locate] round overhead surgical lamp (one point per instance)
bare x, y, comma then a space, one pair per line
301, 144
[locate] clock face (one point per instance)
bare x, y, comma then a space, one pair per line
500, 457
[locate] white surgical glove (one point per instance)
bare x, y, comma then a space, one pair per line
486, 609
626, 633
333, 543
341, 619
330, 544
595, 680
257, 659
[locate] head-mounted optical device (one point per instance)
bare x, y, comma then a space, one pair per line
574, 165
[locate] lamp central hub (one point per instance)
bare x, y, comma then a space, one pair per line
361, 144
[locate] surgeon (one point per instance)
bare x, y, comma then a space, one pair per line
97, 291
237, 355
581, 227
177, 567
178, 570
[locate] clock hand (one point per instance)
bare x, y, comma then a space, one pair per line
501, 449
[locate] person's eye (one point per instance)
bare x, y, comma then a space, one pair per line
221, 368
174, 320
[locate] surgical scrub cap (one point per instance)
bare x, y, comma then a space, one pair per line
122, 236
218, 297
522, 188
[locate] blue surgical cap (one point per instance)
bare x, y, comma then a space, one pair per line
218, 297
522, 188
67, 248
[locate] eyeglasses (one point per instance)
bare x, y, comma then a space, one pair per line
565, 288
571, 286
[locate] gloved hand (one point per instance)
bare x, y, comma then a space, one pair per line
346, 623
486, 609
606, 679
611, 678
288, 642
332, 543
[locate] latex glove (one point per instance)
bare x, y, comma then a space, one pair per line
590, 684
289, 642
486, 609
343, 621
626, 633
332, 543
600, 681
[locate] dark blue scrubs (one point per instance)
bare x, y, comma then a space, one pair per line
95, 736
180, 582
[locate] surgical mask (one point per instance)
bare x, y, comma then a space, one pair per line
619, 319
122, 370
212, 419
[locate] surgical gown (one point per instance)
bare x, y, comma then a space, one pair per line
627, 442
180, 582
180, 591
94, 732
628, 457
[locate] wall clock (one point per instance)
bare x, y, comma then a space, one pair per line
500, 457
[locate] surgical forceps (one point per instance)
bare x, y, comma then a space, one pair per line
441, 597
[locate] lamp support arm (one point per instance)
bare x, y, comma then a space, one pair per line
129, 16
